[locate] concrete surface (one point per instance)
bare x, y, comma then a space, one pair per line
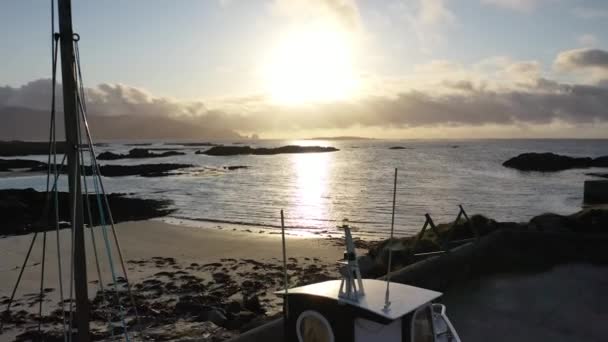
566, 303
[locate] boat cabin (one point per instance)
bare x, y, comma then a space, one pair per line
321, 313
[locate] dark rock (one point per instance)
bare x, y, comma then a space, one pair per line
551, 223
188, 306
234, 306
600, 162
252, 303
549, 162
12, 164
244, 150
22, 210
137, 153
20, 148
192, 143
144, 170
590, 221
594, 174
212, 315
236, 167
397, 148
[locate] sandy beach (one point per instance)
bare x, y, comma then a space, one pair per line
152, 247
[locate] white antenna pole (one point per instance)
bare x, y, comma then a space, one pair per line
285, 308
387, 303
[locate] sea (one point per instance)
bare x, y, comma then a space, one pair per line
318, 191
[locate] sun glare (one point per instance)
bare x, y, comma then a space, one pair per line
311, 66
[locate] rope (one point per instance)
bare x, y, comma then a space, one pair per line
55, 50
96, 179
10, 301
72, 253
41, 298
23, 267
91, 224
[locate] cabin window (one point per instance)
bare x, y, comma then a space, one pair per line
422, 325
311, 326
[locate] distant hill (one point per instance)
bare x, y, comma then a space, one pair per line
19, 123
341, 138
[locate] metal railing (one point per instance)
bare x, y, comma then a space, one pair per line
445, 241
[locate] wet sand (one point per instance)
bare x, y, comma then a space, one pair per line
155, 247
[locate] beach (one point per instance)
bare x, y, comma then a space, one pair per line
152, 247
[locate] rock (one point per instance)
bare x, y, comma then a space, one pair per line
187, 306
21, 210
12, 164
552, 223
137, 153
600, 162
143, 170
594, 174
234, 306
236, 167
20, 148
366, 265
213, 315
252, 303
244, 150
192, 143
397, 148
550, 162
590, 221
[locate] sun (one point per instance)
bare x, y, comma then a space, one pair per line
311, 66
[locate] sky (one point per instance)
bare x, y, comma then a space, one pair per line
298, 68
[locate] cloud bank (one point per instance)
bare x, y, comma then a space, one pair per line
498, 92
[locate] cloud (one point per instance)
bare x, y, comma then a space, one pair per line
428, 19
516, 5
345, 13
434, 12
582, 59
497, 91
590, 13
587, 40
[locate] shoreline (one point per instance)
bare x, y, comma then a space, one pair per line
171, 263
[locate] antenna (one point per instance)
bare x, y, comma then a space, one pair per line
387, 303
285, 306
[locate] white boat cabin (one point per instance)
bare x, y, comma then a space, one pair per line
321, 313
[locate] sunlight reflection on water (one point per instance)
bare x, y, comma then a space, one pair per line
318, 190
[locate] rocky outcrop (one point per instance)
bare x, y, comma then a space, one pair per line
20, 148
583, 222
137, 153
20, 164
143, 170
551, 162
245, 150
192, 144
22, 211
235, 167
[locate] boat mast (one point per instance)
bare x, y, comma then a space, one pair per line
68, 73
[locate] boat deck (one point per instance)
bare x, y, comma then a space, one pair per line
566, 303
